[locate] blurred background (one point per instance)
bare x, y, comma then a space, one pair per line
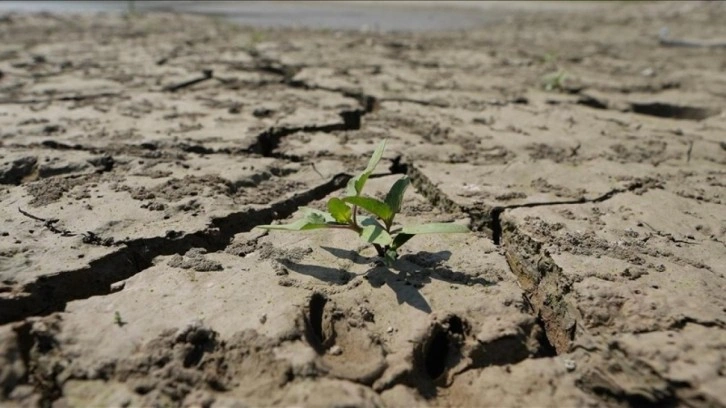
351, 15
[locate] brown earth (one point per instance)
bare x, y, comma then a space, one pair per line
138, 154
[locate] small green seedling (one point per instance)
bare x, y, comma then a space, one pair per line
255, 38
377, 229
118, 320
554, 81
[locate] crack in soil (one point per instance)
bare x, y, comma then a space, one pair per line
551, 345
613, 373
368, 103
270, 139
51, 293
488, 217
434, 103
554, 341
617, 378
68, 98
545, 286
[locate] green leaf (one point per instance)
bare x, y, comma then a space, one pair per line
315, 218
350, 187
339, 210
365, 220
394, 198
375, 207
374, 234
308, 212
410, 231
401, 239
390, 257
377, 154
434, 228
299, 225
355, 185
312, 219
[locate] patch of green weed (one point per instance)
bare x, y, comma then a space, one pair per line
377, 228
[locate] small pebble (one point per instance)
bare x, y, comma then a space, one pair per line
570, 365
389, 329
263, 318
117, 286
335, 350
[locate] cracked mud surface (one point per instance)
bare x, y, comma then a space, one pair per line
137, 156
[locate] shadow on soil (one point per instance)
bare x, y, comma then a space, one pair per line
406, 277
330, 275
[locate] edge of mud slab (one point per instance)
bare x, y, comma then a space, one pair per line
50, 294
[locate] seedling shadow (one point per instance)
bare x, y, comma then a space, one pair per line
376, 229
330, 275
406, 290
405, 277
349, 255
434, 264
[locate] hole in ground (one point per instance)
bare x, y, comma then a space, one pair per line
316, 308
496, 224
352, 119
397, 167
456, 325
546, 349
199, 342
442, 350
437, 354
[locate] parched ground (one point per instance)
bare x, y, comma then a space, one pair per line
137, 154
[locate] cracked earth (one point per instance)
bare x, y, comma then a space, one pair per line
137, 154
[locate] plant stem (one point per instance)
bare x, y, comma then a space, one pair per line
342, 226
381, 251
353, 225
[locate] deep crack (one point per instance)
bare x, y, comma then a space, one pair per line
269, 140
542, 280
368, 103
51, 293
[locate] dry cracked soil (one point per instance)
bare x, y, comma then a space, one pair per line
586, 152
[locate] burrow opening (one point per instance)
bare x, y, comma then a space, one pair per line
437, 354
442, 349
316, 309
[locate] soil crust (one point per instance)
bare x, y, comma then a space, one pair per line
584, 148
